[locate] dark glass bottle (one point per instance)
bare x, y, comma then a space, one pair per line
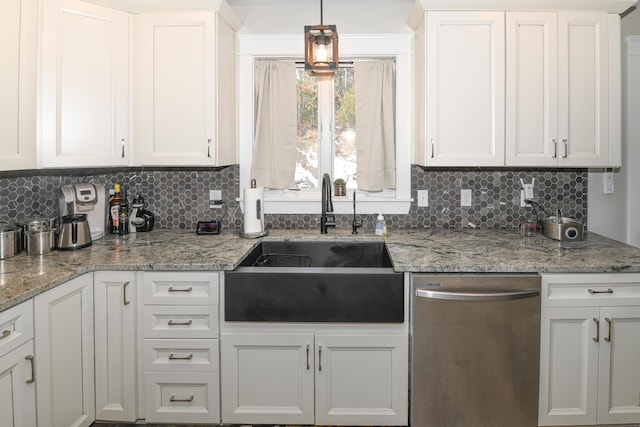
114, 210
123, 225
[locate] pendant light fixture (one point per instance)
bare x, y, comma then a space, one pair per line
321, 48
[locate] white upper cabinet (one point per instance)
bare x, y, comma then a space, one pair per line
464, 89
557, 104
185, 89
18, 38
85, 85
546, 93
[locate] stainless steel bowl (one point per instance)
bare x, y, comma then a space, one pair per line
562, 228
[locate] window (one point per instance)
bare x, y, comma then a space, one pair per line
326, 107
305, 196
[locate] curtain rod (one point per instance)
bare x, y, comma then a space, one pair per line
339, 62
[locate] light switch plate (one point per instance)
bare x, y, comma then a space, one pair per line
465, 197
609, 185
423, 198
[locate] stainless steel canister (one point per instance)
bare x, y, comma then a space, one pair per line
10, 241
40, 241
36, 222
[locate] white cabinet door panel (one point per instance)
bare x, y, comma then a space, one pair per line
115, 346
85, 88
267, 378
583, 89
465, 88
619, 373
532, 88
17, 388
568, 366
361, 380
65, 354
18, 56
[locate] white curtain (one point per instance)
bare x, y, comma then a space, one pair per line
273, 163
375, 92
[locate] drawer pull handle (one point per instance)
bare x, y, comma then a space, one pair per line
33, 371
597, 337
307, 357
595, 291
608, 337
124, 293
555, 147
172, 289
172, 357
188, 399
187, 323
319, 358
5, 333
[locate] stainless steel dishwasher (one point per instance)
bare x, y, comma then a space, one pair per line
475, 347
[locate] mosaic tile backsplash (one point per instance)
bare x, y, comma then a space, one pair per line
179, 196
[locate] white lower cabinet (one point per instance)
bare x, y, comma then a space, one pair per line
115, 344
181, 347
17, 375
314, 378
590, 350
17, 387
64, 354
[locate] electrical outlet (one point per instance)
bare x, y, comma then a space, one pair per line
523, 200
465, 197
215, 199
423, 198
609, 185
528, 191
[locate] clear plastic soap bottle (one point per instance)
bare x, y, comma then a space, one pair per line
381, 226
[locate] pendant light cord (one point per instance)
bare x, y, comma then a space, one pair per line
321, 14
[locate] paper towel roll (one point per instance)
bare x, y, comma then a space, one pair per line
253, 211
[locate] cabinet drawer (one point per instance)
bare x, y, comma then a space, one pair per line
583, 290
184, 397
181, 322
181, 355
16, 326
180, 288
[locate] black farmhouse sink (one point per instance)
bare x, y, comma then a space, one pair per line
306, 281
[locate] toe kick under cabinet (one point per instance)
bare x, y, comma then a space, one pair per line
181, 347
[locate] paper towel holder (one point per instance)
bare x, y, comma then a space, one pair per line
259, 216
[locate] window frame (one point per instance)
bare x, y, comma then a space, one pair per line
361, 46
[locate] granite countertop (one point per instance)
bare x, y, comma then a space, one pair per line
433, 251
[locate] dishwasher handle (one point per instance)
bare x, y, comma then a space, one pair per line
476, 296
